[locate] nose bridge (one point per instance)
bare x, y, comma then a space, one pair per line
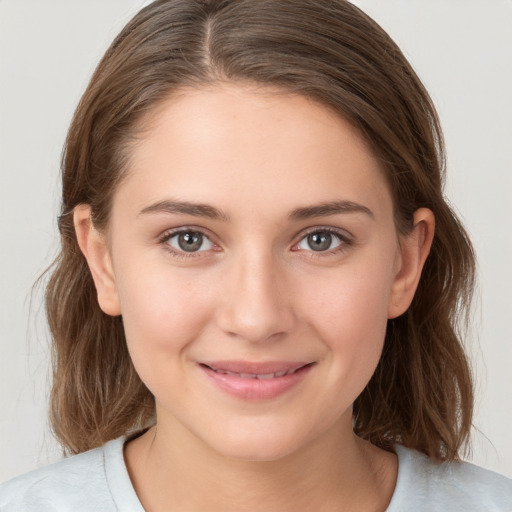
256, 305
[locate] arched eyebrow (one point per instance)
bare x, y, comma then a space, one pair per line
186, 208
211, 212
329, 208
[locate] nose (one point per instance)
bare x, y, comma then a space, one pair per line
256, 305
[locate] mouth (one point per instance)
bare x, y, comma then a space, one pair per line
262, 371
256, 381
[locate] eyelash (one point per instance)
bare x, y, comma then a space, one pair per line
164, 239
345, 242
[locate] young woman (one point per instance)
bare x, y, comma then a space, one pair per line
257, 298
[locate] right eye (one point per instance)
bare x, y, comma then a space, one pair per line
189, 241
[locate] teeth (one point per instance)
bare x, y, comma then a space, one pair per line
266, 376
263, 376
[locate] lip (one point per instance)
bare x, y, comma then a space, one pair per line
255, 380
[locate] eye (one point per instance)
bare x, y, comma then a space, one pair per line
321, 240
189, 241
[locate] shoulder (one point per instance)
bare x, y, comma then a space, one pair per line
424, 484
78, 483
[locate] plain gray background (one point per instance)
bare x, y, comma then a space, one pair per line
462, 49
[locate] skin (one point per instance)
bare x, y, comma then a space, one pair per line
255, 291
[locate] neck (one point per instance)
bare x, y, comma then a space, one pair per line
337, 472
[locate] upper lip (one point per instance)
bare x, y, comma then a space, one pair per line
255, 368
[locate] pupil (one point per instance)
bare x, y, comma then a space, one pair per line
190, 241
319, 241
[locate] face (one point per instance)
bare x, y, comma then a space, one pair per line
253, 256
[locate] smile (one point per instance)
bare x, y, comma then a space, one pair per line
255, 381
262, 376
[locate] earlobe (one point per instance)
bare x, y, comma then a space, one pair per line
414, 249
94, 247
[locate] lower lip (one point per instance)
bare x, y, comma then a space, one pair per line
256, 389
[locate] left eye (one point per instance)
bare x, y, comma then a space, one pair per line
189, 241
320, 241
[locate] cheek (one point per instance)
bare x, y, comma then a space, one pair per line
352, 301
163, 312
350, 316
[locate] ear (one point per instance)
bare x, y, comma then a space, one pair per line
94, 247
414, 249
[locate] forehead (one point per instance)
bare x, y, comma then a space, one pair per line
250, 147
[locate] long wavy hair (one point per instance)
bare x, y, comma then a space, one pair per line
327, 50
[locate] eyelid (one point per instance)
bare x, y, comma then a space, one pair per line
163, 238
174, 242
346, 239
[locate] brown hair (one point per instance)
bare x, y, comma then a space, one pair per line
327, 50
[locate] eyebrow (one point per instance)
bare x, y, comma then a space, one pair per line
211, 212
330, 208
186, 208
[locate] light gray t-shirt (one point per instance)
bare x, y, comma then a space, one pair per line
98, 481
